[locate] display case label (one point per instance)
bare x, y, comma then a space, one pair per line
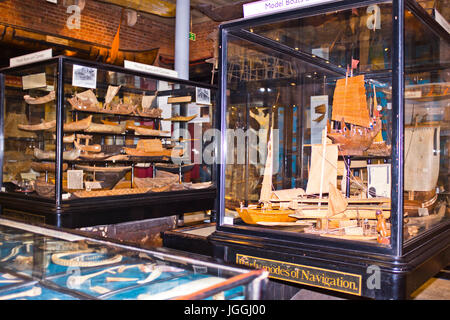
30, 58
307, 275
84, 77
141, 67
33, 81
272, 6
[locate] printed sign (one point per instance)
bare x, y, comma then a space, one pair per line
273, 6
84, 77
34, 81
202, 96
149, 69
30, 58
312, 276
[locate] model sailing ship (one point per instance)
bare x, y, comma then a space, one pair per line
334, 214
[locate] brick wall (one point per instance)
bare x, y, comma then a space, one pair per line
99, 22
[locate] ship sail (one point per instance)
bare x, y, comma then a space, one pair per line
349, 102
328, 172
266, 189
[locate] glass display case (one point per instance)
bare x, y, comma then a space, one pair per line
37, 263
336, 123
76, 132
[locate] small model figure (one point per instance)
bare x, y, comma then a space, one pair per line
383, 232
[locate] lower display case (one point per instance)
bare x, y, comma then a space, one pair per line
40, 263
340, 271
115, 209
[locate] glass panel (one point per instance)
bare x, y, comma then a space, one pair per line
29, 128
427, 126
115, 126
73, 269
363, 33
295, 184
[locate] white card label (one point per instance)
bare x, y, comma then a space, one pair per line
30, 58
34, 81
84, 77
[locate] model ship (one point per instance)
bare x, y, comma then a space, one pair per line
40, 100
350, 107
151, 148
254, 214
87, 101
322, 202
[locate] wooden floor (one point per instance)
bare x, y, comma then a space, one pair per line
436, 288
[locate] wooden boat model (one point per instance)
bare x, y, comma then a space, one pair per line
44, 189
181, 118
120, 108
105, 128
79, 125
84, 101
254, 215
67, 138
109, 193
46, 166
88, 147
51, 155
103, 169
421, 176
40, 100
350, 106
150, 132
150, 148
38, 127
149, 113
146, 109
155, 182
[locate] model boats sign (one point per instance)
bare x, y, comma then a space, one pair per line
274, 6
312, 276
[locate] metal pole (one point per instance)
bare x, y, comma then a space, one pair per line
182, 38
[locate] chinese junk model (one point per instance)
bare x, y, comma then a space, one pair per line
350, 106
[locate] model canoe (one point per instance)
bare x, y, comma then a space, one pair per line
40, 100
79, 125
38, 127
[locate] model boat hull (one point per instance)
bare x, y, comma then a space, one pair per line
356, 140
253, 216
31, 100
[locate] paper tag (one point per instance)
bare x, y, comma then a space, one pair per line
75, 179
34, 81
65, 196
228, 220
423, 212
84, 77
28, 176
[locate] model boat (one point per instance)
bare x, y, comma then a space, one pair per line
105, 128
87, 101
46, 166
86, 147
109, 193
79, 125
150, 148
264, 213
146, 109
350, 106
40, 100
103, 169
51, 155
422, 143
44, 189
38, 127
149, 132
181, 118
